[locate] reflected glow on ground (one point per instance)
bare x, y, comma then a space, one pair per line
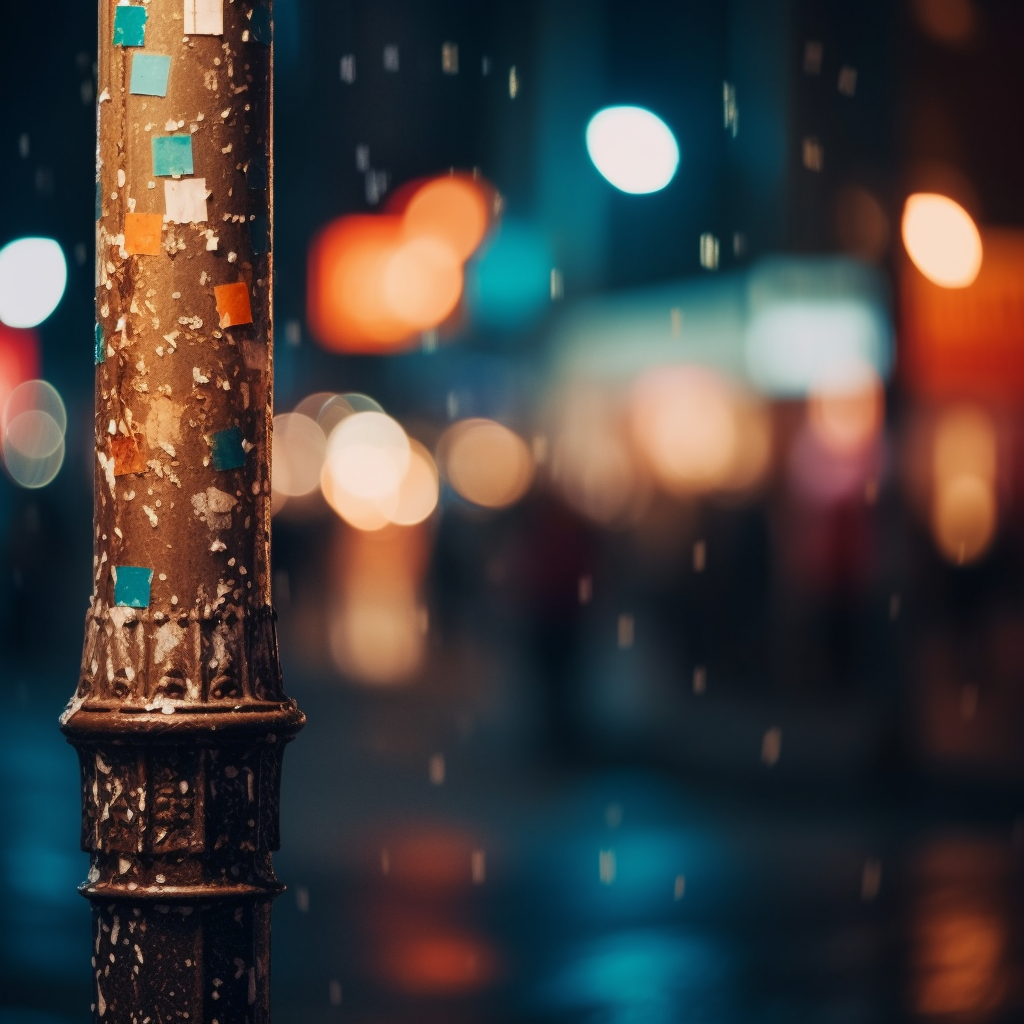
654, 975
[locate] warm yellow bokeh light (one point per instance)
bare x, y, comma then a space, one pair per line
683, 422
964, 510
486, 463
362, 513
942, 240
964, 445
377, 635
422, 282
368, 453
964, 518
417, 493
299, 448
697, 432
374, 475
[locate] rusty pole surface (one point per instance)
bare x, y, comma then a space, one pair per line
180, 720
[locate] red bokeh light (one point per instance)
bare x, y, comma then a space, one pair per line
19, 359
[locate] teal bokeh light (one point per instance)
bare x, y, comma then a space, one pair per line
508, 285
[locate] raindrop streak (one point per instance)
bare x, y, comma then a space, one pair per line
606, 866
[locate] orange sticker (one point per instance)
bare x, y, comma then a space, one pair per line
233, 304
127, 455
142, 233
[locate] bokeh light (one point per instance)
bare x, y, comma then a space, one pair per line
376, 282
19, 359
592, 464
33, 275
508, 285
964, 512
697, 431
418, 490
33, 423
454, 210
422, 282
368, 453
376, 638
846, 411
791, 346
374, 475
633, 149
347, 305
948, 21
377, 627
485, 462
299, 449
964, 518
942, 240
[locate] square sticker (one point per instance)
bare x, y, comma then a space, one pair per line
149, 74
185, 201
233, 304
131, 586
226, 449
172, 155
127, 455
142, 234
129, 26
204, 17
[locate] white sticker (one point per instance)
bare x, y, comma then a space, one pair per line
186, 200
204, 17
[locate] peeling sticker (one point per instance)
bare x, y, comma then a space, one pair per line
227, 449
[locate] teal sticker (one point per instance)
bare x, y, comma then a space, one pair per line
149, 74
99, 346
172, 155
131, 586
129, 26
259, 233
256, 173
99, 198
259, 24
226, 449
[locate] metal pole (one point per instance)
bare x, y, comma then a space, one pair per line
180, 719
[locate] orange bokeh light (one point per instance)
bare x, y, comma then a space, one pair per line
376, 282
964, 513
455, 210
347, 307
967, 342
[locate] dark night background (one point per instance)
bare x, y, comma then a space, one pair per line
874, 873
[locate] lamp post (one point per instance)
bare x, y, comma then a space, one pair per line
180, 720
